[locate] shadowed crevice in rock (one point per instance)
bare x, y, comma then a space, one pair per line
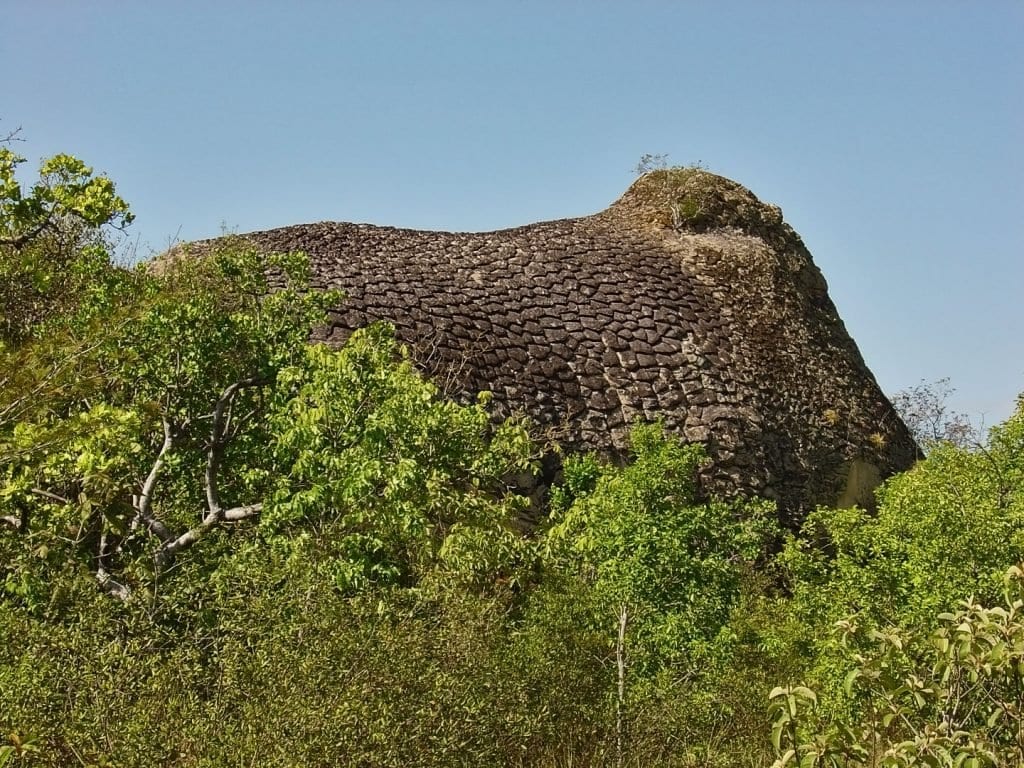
687, 300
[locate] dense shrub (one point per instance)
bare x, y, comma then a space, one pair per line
220, 545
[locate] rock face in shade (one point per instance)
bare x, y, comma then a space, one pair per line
688, 300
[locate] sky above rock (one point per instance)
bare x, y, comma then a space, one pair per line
889, 133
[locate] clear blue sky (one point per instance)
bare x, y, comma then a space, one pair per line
891, 133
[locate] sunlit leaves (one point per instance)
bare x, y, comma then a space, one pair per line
952, 698
639, 538
365, 449
52, 242
66, 187
945, 529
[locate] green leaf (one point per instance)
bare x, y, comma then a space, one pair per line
805, 693
777, 729
850, 679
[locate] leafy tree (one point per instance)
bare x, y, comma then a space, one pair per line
127, 454
208, 407
181, 409
388, 480
51, 239
183, 445
952, 698
948, 528
648, 570
638, 538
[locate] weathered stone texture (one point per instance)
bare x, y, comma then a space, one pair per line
687, 300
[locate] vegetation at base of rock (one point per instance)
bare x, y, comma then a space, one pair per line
687, 300
954, 697
221, 545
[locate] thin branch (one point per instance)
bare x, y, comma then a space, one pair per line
220, 435
235, 514
229, 429
106, 581
11, 521
11, 136
620, 699
141, 502
18, 242
219, 438
51, 496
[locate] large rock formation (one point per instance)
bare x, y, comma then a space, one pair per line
688, 300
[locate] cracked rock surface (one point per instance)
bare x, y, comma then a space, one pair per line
687, 300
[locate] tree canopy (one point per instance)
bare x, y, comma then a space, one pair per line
222, 544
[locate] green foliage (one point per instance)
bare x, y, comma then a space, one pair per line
221, 545
206, 401
635, 536
52, 248
17, 749
119, 431
393, 480
954, 697
946, 529
66, 187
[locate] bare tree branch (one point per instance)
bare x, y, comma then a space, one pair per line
51, 496
235, 514
26, 237
11, 521
106, 581
141, 502
219, 438
11, 136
